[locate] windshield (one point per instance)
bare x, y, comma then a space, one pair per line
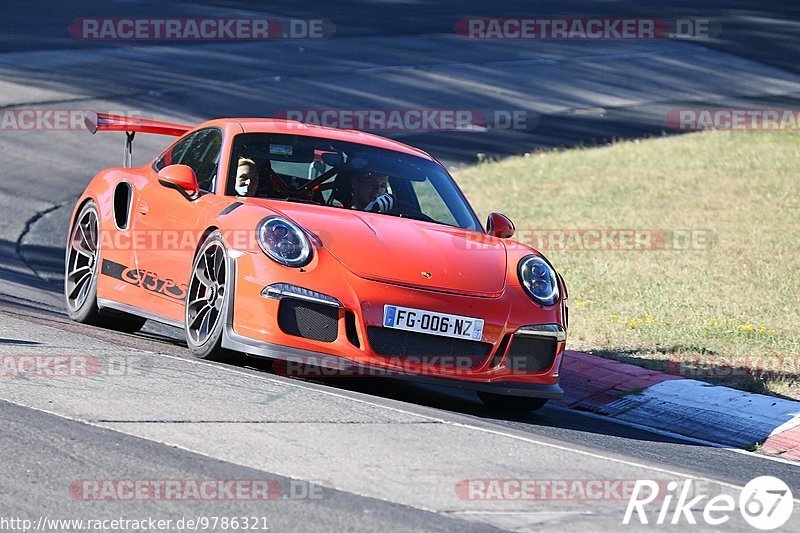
346, 176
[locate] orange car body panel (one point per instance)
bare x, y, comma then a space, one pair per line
362, 259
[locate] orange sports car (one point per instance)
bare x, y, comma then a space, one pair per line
317, 247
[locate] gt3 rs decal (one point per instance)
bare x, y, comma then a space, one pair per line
146, 279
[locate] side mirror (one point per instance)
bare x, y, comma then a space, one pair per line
181, 178
498, 225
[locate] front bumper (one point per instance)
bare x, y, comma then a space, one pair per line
251, 328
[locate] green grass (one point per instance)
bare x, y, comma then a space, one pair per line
756, 447
737, 298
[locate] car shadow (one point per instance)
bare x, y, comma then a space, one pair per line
38, 267
466, 402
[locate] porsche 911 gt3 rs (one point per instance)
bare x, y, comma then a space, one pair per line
309, 244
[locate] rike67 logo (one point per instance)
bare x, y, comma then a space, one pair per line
765, 503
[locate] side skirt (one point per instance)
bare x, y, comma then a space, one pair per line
104, 303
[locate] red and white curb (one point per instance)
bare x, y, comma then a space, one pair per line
682, 406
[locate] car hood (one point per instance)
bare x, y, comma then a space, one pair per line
405, 251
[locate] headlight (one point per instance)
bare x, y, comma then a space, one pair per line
539, 279
284, 242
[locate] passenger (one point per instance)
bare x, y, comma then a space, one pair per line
370, 193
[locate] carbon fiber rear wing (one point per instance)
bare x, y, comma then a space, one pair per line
130, 125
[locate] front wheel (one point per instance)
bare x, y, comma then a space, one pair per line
511, 404
205, 301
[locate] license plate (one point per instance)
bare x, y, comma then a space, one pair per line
421, 321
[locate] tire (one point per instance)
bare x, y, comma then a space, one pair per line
81, 265
511, 404
204, 316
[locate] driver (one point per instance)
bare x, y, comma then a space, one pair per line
370, 193
246, 177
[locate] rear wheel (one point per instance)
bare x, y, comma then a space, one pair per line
511, 404
80, 276
205, 301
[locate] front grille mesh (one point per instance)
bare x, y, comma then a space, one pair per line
429, 349
308, 319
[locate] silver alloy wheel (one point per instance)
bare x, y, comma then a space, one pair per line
82, 260
206, 293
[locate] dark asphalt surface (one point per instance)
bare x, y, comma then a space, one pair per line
766, 32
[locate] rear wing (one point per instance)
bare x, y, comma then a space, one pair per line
130, 125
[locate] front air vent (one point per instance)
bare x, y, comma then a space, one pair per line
309, 320
350, 328
530, 353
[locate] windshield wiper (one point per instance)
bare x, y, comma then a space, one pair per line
301, 200
421, 217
